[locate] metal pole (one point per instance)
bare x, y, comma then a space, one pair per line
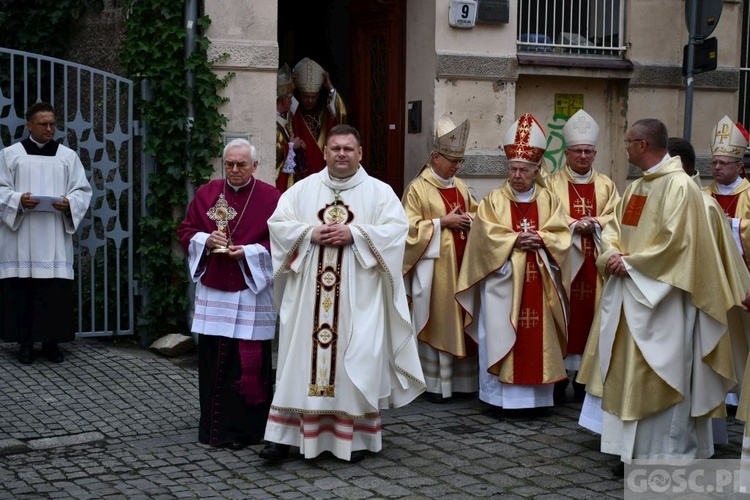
690, 63
148, 168
191, 16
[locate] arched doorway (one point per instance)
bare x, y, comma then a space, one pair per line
361, 43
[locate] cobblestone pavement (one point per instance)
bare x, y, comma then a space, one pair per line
121, 422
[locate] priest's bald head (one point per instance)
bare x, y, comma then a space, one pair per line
646, 143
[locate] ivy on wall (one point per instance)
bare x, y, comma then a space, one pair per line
42, 26
154, 50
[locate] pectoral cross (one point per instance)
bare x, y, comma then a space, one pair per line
525, 225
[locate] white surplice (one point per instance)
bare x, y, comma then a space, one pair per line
42, 241
247, 314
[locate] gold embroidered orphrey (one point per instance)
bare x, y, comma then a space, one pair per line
327, 304
221, 213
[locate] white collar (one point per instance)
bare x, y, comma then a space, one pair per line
728, 188
526, 196
237, 188
580, 178
40, 145
658, 165
446, 182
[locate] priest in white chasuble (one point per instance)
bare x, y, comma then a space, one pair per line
664, 346
346, 345
440, 209
510, 283
588, 200
728, 143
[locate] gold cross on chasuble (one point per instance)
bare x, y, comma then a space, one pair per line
531, 272
634, 209
583, 207
529, 318
582, 291
587, 246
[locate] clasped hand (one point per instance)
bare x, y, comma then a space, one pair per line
528, 241
332, 235
616, 266
585, 225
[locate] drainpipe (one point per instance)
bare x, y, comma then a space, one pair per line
690, 63
191, 17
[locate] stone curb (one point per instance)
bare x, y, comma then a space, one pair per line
8, 446
55, 442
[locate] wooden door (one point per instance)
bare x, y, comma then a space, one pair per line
378, 33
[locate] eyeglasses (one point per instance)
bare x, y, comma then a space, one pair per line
46, 124
231, 164
453, 161
719, 163
580, 152
628, 141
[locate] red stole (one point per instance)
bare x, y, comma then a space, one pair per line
313, 152
728, 202
528, 361
582, 198
452, 197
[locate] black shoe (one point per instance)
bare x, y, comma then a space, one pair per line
579, 391
618, 470
237, 444
357, 456
558, 393
434, 397
53, 353
26, 354
274, 452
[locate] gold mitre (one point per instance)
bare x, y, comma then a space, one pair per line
525, 140
308, 75
284, 83
581, 128
729, 139
450, 140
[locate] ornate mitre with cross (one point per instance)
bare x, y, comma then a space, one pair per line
581, 128
525, 140
450, 140
284, 84
308, 75
729, 139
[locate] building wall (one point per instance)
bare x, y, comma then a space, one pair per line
482, 79
420, 75
246, 31
474, 73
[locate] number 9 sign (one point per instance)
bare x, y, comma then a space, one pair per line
462, 13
